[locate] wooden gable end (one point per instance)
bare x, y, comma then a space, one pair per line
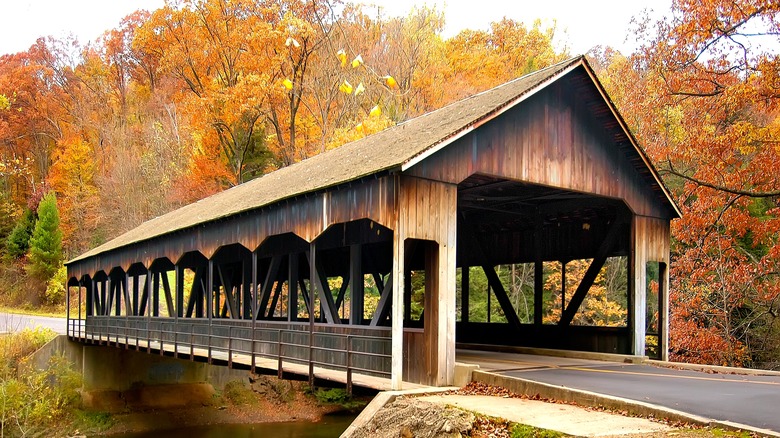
564, 136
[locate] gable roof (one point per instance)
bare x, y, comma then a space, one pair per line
401, 147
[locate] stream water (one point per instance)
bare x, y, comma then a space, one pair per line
331, 426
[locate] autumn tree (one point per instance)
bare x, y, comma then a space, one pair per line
702, 96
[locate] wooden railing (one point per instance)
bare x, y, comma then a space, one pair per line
365, 350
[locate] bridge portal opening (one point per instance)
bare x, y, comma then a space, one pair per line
539, 266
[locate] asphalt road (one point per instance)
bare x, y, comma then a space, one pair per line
750, 400
11, 322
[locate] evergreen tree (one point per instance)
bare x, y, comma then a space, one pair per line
18, 241
46, 241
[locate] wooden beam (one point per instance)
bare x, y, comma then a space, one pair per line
275, 301
342, 291
590, 275
380, 284
465, 273
384, 306
538, 271
246, 289
195, 291
168, 295
228, 287
110, 301
268, 284
326, 296
356, 285
128, 304
156, 294
179, 291
304, 294
136, 298
144, 296
495, 283
501, 295
292, 287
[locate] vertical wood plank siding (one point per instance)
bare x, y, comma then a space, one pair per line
551, 139
428, 211
651, 244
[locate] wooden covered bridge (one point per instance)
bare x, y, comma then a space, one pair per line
378, 256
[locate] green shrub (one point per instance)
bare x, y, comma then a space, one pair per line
34, 402
55, 287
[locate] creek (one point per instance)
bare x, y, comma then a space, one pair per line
330, 426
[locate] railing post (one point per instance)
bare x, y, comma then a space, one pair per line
176, 339
279, 369
230, 346
349, 365
192, 343
161, 337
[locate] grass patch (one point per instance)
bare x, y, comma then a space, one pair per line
238, 393
526, 431
36, 311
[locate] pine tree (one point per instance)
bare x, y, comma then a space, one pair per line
18, 241
46, 242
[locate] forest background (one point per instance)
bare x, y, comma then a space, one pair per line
190, 99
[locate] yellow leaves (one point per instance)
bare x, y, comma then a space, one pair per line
345, 87
342, 56
359, 128
360, 89
292, 42
287, 84
5, 103
375, 111
390, 81
357, 62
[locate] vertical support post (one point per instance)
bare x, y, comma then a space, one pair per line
80, 288
663, 310
156, 293
254, 305
179, 292
246, 288
637, 283
292, 288
356, 285
135, 295
209, 298
88, 297
397, 309
538, 272
312, 292
67, 307
465, 272
563, 287
149, 276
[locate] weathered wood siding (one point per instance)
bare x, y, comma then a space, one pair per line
551, 139
427, 210
651, 244
306, 217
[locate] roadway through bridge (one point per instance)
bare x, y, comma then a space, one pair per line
746, 399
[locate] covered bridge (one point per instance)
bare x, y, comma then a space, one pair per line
494, 220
